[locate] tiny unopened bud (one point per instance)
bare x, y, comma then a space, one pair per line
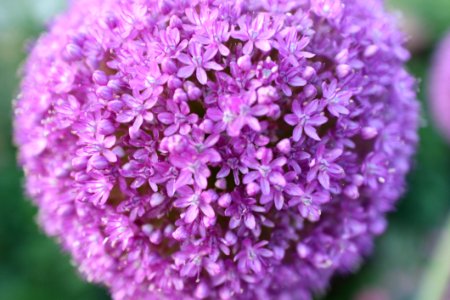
303, 250
343, 70
79, 163
310, 91
179, 96
193, 91
73, 52
308, 72
99, 77
174, 83
370, 50
175, 21
168, 66
104, 92
352, 191
252, 189
358, 179
224, 200
368, 133
156, 199
284, 146
156, 237
342, 56
221, 184
245, 62
115, 84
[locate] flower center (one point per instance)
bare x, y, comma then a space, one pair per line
197, 60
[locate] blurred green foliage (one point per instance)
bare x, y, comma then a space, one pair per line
33, 267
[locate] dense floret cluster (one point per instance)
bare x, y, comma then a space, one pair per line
216, 149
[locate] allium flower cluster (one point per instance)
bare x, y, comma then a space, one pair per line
440, 88
217, 149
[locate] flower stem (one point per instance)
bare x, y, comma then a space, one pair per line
436, 280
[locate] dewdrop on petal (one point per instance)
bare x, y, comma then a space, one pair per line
216, 149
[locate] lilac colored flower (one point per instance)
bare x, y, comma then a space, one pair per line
308, 200
148, 78
216, 36
255, 32
289, 78
323, 166
217, 149
170, 44
195, 201
375, 170
136, 206
305, 120
252, 257
92, 125
120, 231
337, 101
200, 18
198, 61
243, 211
439, 88
141, 168
137, 108
177, 117
234, 112
232, 165
193, 262
267, 71
193, 160
99, 151
291, 47
95, 190
266, 171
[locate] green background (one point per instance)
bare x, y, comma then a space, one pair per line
33, 267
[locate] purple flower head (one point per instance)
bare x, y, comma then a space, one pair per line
217, 149
439, 87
